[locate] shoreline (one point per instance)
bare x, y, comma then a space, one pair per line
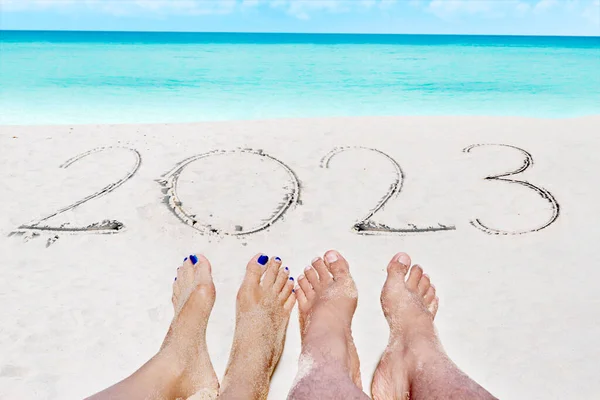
316, 119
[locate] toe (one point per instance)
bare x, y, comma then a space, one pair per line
429, 296
185, 275
180, 273
311, 276
306, 287
399, 265
433, 307
282, 278
271, 272
301, 296
289, 303
287, 290
424, 284
203, 270
187, 262
255, 268
414, 277
336, 264
324, 275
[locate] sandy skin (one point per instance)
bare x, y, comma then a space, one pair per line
264, 303
182, 367
414, 365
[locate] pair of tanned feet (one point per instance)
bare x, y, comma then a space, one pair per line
413, 366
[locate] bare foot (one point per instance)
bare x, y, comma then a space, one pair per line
409, 306
182, 367
262, 316
185, 344
327, 299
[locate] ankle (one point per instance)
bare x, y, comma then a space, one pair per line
415, 350
327, 350
180, 356
166, 367
258, 353
248, 373
324, 325
245, 386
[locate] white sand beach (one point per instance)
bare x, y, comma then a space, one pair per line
85, 303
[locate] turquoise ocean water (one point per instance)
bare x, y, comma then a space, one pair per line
117, 77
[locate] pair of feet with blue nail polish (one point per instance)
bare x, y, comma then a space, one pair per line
413, 366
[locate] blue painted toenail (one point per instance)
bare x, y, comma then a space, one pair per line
262, 260
287, 269
185, 259
277, 259
293, 290
175, 278
291, 279
193, 259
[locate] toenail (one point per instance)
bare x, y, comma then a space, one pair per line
291, 278
308, 268
315, 260
301, 277
193, 259
185, 259
175, 278
277, 259
287, 269
331, 257
293, 290
404, 259
262, 260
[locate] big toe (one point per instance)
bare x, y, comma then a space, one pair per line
203, 269
255, 269
399, 265
337, 265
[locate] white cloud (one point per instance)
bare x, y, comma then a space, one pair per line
586, 10
544, 5
592, 12
124, 7
303, 9
522, 9
17, 5
368, 3
452, 9
185, 6
446, 8
250, 3
385, 4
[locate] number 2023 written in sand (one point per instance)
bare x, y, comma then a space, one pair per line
364, 225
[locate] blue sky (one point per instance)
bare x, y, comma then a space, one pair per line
529, 17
